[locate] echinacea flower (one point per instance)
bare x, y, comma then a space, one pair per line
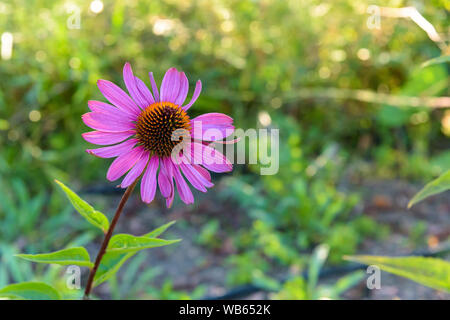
139, 128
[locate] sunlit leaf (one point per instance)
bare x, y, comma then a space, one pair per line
440, 184
95, 217
77, 256
30, 291
437, 60
129, 243
431, 272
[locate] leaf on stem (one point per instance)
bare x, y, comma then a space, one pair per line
111, 263
158, 231
128, 243
113, 260
438, 185
93, 216
30, 291
431, 272
72, 256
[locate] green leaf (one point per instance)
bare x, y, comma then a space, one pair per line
95, 217
347, 282
441, 184
316, 262
392, 116
113, 260
431, 272
158, 231
430, 81
77, 256
437, 60
129, 243
30, 291
111, 263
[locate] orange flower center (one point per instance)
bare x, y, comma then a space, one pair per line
156, 126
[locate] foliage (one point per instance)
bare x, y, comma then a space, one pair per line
254, 58
299, 289
30, 291
437, 60
114, 259
95, 217
140, 282
430, 272
245, 53
438, 185
121, 247
73, 256
296, 209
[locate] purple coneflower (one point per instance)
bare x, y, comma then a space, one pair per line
139, 131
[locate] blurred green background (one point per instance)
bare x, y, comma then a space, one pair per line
292, 65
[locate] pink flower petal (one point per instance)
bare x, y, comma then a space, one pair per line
102, 107
105, 138
136, 171
211, 126
170, 86
205, 173
197, 90
169, 199
195, 178
107, 122
209, 158
184, 89
123, 163
130, 83
154, 87
118, 97
165, 178
148, 183
145, 92
113, 151
182, 187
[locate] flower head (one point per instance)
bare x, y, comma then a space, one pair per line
140, 132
